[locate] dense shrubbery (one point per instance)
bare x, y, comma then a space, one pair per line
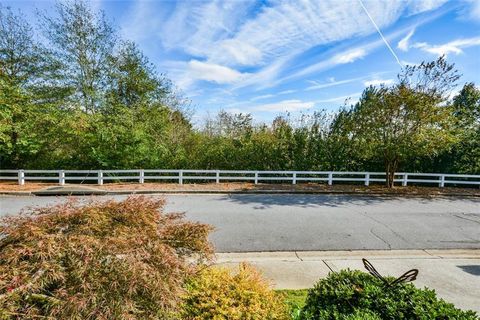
106, 260
217, 294
358, 295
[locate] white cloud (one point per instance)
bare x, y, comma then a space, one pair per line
243, 53
265, 96
265, 36
404, 43
287, 91
474, 10
337, 59
377, 82
420, 6
316, 85
213, 72
454, 46
350, 56
227, 33
285, 105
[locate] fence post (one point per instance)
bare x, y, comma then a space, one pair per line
217, 176
256, 177
61, 177
100, 178
442, 181
141, 179
330, 178
21, 177
367, 179
180, 177
294, 178
405, 179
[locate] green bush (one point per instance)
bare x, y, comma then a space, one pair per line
103, 260
358, 295
217, 294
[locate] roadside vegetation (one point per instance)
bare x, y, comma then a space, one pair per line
75, 95
104, 260
131, 260
357, 295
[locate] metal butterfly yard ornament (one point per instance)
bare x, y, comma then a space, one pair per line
408, 276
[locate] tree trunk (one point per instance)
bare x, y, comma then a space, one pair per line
390, 169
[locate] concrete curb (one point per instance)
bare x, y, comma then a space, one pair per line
272, 192
284, 256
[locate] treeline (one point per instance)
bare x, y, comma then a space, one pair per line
81, 97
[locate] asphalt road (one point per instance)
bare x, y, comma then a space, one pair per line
319, 222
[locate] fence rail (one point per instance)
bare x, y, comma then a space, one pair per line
180, 176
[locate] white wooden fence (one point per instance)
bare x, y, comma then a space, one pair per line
294, 177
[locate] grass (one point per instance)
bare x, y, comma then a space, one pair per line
294, 298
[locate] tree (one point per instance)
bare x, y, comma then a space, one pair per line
83, 41
28, 91
407, 120
133, 80
466, 107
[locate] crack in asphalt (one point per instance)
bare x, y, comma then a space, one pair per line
465, 218
386, 226
380, 238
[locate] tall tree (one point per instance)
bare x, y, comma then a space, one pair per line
133, 80
407, 120
466, 153
84, 41
28, 90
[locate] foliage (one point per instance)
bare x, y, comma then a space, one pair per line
408, 120
217, 294
88, 99
103, 260
358, 295
83, 41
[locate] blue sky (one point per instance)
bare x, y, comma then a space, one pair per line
268, 57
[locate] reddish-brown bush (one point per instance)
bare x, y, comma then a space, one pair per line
103, 260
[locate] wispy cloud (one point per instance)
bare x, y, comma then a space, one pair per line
265, 96
420, 6
387, 44
377, 82
337, 59
349, 56
227, 33
287, 91
213, 72
285, 105
454, 46
341, 99
404, 44
332, 83
474, 10
257, 45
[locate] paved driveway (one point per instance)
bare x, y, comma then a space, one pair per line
319, 222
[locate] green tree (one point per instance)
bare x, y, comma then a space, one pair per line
466, 107
407, 120
84, 41
29, 93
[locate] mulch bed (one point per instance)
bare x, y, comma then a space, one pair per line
250, 187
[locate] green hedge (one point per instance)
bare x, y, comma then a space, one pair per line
358, 295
